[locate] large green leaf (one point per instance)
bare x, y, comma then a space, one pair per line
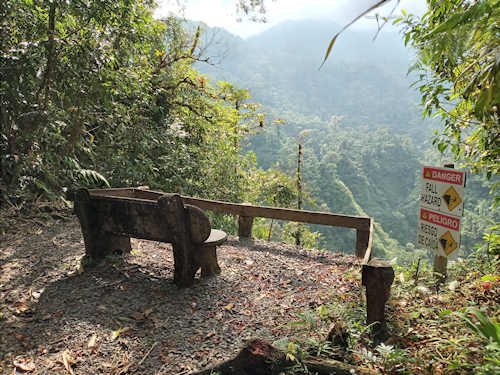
332, 42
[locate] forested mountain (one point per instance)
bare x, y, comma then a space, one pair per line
357, 119
365, 81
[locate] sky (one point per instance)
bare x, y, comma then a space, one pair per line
222, 13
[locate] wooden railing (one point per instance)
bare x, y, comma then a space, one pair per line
246, 213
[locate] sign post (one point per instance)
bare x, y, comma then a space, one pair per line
441, 208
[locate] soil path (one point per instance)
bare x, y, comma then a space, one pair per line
126, 315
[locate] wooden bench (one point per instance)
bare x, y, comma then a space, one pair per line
110, 217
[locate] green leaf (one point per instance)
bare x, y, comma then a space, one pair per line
282, 344
332, 42
444, 313
442, 147
492, 278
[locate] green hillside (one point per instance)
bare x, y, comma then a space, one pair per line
365, 141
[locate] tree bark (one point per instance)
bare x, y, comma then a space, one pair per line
45, 86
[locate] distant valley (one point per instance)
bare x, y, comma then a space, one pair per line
358, 119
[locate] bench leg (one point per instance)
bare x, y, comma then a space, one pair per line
98, 245
208, 261
184, 265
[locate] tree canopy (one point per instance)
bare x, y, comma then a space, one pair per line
94, 93
458, 60
457, 45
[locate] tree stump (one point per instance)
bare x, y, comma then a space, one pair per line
377, 277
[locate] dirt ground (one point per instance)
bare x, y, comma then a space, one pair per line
127, 316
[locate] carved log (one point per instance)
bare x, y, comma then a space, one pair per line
207, 253
108, 217
377, 276
260, 358
98, 242
185, 264
199, 225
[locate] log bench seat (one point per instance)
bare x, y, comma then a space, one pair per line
110, 217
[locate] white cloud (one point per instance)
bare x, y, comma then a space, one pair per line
222, 13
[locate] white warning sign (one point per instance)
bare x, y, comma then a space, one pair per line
443, 190
439, 233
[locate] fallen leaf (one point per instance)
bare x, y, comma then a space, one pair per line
20, 337
67, 361
92, 341
24, 364
148, 312
453, 285
229, 306
402, 278
117, 333
21, 308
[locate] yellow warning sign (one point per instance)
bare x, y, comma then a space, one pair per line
447, 242
451, 198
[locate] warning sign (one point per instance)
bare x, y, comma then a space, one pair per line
439, 233
443, 190
448, 243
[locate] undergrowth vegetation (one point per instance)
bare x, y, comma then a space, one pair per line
452, 329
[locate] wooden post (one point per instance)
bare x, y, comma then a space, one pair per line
440, 269
362, 238
377, 276
245, 226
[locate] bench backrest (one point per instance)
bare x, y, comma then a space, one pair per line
164, 218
